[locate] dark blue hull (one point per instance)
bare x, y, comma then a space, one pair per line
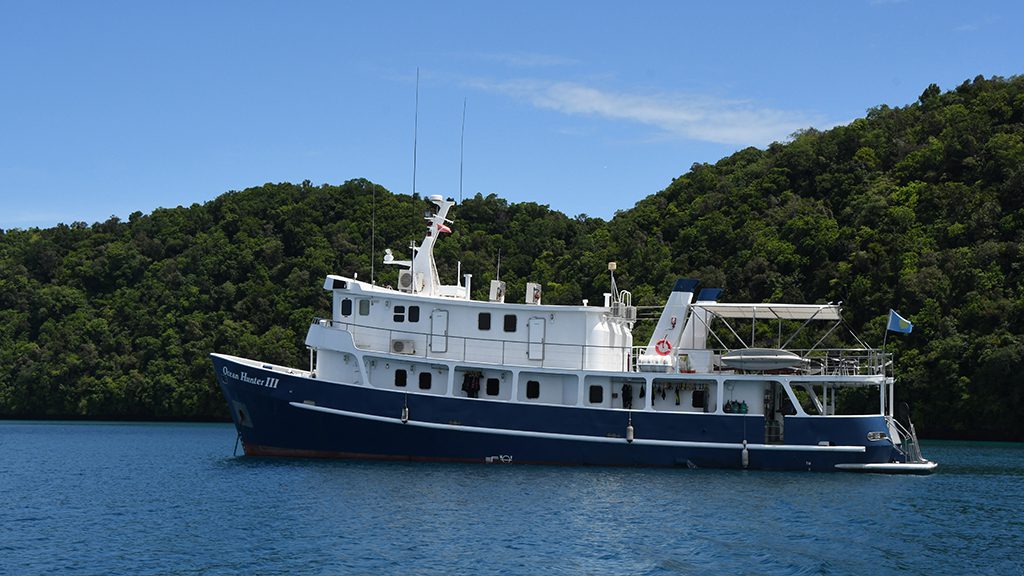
277, 413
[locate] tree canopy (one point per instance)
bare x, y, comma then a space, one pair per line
918, 208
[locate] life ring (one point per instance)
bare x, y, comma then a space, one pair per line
663, 347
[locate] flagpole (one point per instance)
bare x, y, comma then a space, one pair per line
885, 337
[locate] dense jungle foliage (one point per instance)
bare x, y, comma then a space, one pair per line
919, 208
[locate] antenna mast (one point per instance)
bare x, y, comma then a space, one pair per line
373, 236
415, 129
462, 146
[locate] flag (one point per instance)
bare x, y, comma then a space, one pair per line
898, 324
442, 228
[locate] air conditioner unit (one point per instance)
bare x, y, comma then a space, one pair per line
403, 346
405, 280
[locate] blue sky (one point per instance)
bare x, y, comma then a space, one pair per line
111, 107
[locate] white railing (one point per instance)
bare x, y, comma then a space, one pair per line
817, 362
486, 350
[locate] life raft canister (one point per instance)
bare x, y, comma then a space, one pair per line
663, 348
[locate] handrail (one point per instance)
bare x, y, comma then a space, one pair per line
909, 444
512, 352
575, 356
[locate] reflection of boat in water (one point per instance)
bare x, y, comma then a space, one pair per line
423, 372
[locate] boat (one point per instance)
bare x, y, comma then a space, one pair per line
424, 372
761, 359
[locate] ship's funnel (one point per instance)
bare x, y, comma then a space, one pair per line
667, 333
695, 334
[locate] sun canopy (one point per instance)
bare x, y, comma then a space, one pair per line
773, 311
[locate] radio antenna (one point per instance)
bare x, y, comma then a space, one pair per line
415, 129
373, 236
462, 147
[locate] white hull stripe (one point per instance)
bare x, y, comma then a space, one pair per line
578, 437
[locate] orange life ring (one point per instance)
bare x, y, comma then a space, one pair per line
663, 347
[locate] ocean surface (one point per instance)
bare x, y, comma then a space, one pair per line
105, 498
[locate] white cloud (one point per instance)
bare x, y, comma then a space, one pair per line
694, 117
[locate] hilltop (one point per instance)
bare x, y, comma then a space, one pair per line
918, 208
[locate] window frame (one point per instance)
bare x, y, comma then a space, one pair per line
535, 392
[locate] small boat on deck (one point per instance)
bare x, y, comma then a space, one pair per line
424, 372
761, 359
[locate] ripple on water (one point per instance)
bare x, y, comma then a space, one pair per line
170, 499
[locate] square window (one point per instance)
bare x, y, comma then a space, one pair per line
414, 313
346, 307
399, 313
596, 394
493, 386
400, 377
424, 380
700, 398
483, 321
532, 389
364, 307
510, 322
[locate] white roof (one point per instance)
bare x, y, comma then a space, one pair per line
770, 311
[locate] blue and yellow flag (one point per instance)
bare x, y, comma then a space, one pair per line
898, 324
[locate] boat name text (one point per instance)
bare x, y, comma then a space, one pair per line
268, 382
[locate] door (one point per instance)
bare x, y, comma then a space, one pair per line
439, 331
536, 347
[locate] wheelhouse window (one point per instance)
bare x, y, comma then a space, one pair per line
414, 313
532, 389
510, 322
493, 386
596, 394
400, 377
346, 307
399, 313
364, 307
424, 380
483, 321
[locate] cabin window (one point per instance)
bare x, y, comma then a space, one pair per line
510, 322
424, 380
596, 394
364, 307
400, 378
493, 386
399, 313
346, 307
483, 321
532, 389
414, 313
700, 398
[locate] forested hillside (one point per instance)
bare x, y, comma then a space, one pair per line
919, 208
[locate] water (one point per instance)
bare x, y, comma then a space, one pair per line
99, 498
